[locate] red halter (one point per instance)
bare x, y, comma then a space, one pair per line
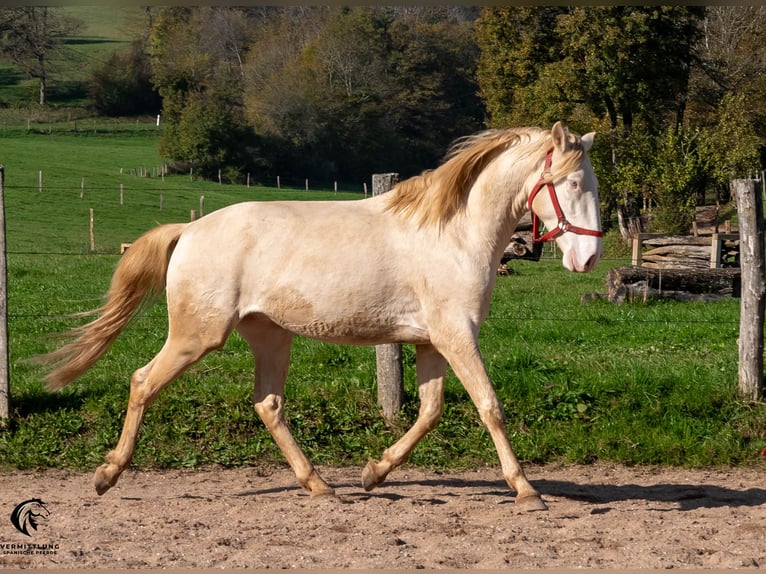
563, 225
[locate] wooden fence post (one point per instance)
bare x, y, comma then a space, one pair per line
91, 231
5, 391
751, 320
389, 366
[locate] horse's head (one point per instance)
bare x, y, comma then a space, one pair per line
565, 199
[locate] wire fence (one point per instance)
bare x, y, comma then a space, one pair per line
157, 315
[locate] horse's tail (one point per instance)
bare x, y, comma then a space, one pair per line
138, 279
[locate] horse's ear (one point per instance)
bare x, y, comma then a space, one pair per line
560, 139
587, 140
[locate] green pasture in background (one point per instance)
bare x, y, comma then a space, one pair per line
119, 160
106, 29
637, 383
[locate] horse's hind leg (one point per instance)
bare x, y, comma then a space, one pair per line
430, 367
178, 353
270, 345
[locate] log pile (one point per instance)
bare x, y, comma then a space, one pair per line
521, 246
642, 284
686, 252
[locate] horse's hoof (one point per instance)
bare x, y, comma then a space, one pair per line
531, 503
370, 477
104, 479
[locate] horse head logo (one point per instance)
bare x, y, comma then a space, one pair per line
28, 515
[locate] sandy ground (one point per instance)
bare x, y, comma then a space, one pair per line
601, 516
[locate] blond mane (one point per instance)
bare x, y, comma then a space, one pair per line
436, 196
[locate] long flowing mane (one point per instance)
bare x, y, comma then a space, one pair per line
435, 196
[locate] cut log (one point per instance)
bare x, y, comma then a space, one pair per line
656, 262
519, 248
680, 251
625, 283
675, 240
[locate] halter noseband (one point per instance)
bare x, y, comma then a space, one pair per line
563, 225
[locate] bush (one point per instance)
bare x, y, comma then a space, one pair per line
123, 86
209, 136
678, 176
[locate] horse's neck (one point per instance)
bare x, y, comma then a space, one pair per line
495, 206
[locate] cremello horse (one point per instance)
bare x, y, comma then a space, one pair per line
415, 265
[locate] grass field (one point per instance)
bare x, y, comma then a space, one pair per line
637, 383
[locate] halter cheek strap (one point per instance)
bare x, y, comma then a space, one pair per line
563, 225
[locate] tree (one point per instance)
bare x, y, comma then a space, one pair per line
677, 176
196, 56
630, 65
371, 89
731, 144
732, 53
516, 45
633, 60
31, 37
434, 94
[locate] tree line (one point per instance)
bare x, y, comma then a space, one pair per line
675, 92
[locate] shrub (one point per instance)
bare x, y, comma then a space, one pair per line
123, 87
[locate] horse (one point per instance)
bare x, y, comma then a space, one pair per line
277, 270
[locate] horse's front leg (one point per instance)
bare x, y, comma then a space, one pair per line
465, 359
431, 367
271, 347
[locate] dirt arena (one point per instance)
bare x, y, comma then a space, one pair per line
601, 516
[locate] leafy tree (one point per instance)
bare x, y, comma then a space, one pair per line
434, 94
678, 175
31, 36
517, 45
730, 146
369, 90
213, 137
198, 73
632, 60
627, 64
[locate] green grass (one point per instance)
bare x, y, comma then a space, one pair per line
636, 383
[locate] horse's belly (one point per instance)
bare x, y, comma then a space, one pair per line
354, 334
344, 323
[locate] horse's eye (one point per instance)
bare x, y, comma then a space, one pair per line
573, 184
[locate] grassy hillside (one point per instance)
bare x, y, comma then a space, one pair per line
106, 29
653, 383
56, 219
